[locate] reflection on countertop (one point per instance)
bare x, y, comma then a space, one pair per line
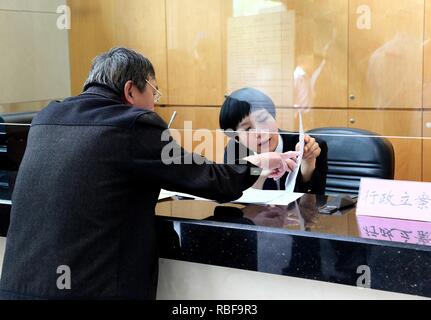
297, 241
302, 215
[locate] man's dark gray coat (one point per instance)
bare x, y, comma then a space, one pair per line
85, 197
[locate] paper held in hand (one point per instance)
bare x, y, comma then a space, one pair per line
291, 179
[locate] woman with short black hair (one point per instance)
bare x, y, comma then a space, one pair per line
248, 117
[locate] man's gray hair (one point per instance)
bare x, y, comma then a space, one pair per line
117, 66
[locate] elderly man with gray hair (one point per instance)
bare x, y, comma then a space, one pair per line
85, 195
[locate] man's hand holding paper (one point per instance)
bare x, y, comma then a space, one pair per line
274, 164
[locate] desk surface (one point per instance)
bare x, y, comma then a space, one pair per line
297, 241
303, 215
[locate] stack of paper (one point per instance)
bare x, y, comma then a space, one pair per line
269, 197
250, 196
164, 194
291, 178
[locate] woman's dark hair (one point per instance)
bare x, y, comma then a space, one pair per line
240, 104
232, 112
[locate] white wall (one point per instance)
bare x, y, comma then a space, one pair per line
31, 5
34, 59
190, 281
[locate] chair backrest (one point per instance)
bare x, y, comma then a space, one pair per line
13, 138
353, 154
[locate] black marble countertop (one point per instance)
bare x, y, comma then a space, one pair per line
294, 240
298, 241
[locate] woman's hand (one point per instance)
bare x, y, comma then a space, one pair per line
311, 152
311, 148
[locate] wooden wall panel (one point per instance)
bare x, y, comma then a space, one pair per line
386, 60
388, 123
408, 159
92, 32
426, 160
427, 56
195, 126
287, 119
426, 163
141, 25
226, 14
404, 131
186, 40
321, 43
201, 117
195, 64
99, 25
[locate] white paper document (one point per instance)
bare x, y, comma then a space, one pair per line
164, 194
291, 178
268, 197
8, 202
250, 196
259, 196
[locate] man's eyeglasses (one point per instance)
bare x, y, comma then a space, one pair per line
156, 93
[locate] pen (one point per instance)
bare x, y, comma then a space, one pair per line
172, 119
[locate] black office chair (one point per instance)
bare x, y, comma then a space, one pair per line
353, 154
13, 142
13, 138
